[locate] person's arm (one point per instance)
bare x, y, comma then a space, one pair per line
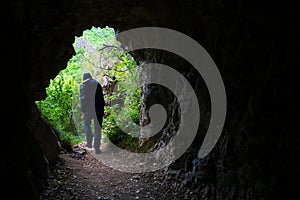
100, 102
100, 91
83, 100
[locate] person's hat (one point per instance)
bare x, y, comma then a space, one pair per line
86, 76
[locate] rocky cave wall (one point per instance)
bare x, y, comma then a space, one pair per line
252, 44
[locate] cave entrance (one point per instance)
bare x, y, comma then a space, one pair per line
98, 52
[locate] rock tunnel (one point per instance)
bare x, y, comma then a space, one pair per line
251, 42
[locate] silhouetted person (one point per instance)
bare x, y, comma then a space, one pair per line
92, 108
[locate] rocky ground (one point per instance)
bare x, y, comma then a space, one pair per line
79, 175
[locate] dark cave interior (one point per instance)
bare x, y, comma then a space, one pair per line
253, 43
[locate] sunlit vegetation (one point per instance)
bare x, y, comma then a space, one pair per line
98, 52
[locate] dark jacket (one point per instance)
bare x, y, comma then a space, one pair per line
92, 99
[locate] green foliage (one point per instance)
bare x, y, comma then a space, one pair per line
57, 108
98, 52
98, 36
128, 91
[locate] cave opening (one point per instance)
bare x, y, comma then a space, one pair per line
97, 52
252, 42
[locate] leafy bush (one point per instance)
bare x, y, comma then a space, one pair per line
98, 52
56, 109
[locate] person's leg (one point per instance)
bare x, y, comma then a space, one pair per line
97, 135
87, 130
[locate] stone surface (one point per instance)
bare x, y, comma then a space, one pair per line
253, 43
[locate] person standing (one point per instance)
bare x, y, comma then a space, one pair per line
92, 108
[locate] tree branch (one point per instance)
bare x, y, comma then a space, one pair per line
102, 67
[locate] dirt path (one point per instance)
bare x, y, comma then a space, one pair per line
79, 175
